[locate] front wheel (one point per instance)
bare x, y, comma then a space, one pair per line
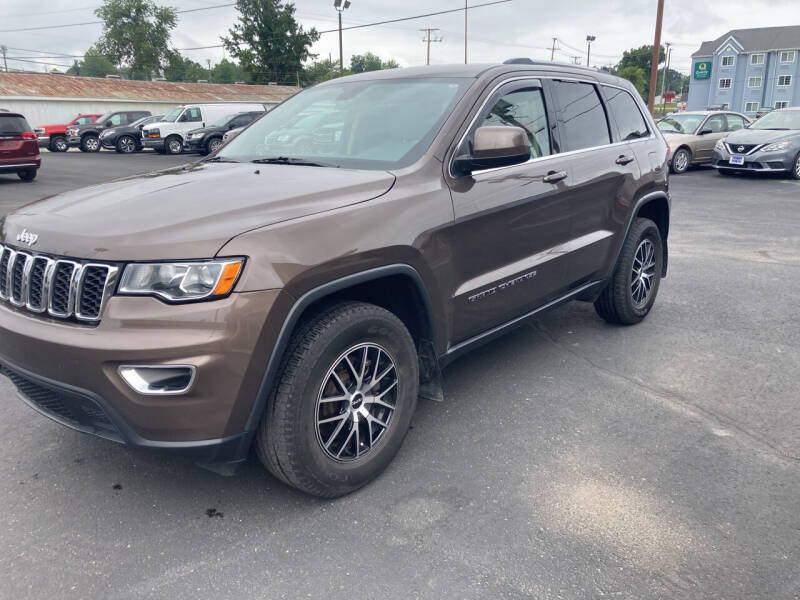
58, 144
342, 402
90, 143
173, 145
126, 145
632, 289
796, 168
681, 161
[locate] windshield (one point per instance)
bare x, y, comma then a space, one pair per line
779, 119
223, 121
378, 124
173, 115
680, 123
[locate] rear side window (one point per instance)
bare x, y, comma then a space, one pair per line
580, 115
523, 108
623, 108
117, 119
13, 125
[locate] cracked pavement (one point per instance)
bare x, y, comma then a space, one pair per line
569, 459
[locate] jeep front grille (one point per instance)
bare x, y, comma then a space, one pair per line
58, 287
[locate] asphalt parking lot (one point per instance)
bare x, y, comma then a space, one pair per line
570, 459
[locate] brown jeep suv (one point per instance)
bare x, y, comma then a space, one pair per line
297, 291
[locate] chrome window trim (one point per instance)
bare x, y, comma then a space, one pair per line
549, 156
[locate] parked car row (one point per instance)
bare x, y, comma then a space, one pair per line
730, 142
19, 150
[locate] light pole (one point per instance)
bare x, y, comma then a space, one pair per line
341, 6
589, 40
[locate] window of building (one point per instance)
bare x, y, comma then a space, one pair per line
754, 82
787, 56
784, 81
727, 61
725, 83
781, 104
756, 59
626, 113
523, 108
580, 115
749, 107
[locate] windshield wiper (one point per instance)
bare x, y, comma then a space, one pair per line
220, 159
289, 160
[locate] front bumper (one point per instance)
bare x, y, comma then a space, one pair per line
155, 143
782, 160
193, 145
69, 371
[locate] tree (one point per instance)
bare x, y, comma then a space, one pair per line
94, 64
640, 58
361, 63
136, 35
184, 69
321, 71
636, 76
267, 41
226, 71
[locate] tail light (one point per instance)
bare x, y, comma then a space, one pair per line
28, 135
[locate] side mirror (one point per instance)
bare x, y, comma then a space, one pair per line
493, 147
705, 132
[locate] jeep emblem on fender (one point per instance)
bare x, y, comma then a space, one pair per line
27, 237
740, 149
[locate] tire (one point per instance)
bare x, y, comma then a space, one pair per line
213, 145
58, 144
681, 161
126, 145
173, 145
27, 175
90, 143
795, 174
334, 458
622, 301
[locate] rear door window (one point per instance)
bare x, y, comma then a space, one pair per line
580, 115
625, 111
523, 108
715, 124
13, 125
735, 122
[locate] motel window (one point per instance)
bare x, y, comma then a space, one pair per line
784, 81
727, 61
754, 82
756, 59
787, 56
750, 106
725, 83
781, 104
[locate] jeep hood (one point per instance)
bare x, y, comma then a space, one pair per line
185, 212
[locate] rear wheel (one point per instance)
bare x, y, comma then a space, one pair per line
126, 144
681, 161
632, 289
90, 143
27, 175
173, 145
343, 400
58, 144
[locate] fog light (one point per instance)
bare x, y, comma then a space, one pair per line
159, 379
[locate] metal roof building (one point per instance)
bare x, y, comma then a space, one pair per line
49, 98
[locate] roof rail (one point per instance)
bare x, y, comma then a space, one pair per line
519, 61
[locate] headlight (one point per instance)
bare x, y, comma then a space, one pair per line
777, 146
182, 281
195, 136
73, 132
719, 146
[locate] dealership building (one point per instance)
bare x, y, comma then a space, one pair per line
55, 98
747, 70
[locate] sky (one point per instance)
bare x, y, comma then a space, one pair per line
511, 29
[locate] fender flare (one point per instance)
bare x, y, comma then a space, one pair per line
291, 320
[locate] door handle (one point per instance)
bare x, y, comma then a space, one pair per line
623, 160
554, 176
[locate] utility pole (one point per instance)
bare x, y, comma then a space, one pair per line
589, 40
465, 31
553, 51
340, 7
656, 56
664, 78
428, 39
4, 49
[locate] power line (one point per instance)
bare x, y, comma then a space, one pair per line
183, 11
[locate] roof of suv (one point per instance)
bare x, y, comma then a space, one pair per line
476, 70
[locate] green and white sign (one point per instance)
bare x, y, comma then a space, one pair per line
702, 70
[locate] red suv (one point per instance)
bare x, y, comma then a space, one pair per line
54, 137
19, 150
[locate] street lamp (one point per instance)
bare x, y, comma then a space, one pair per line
589, 40
340, 6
